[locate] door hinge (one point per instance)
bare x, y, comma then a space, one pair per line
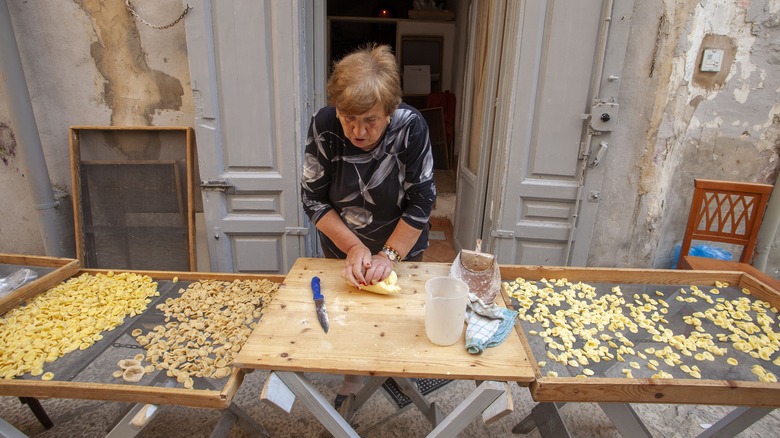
296, 231
584, 153
503, 234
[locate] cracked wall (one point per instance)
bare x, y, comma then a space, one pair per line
699, 125
88, 63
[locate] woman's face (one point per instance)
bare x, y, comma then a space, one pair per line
364, 130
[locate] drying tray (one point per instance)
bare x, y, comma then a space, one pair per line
720, 384
86, 374
50, 270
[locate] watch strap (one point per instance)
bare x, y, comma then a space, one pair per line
391, 253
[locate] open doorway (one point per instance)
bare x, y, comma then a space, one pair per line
426, 44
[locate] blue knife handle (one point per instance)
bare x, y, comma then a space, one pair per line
315, 287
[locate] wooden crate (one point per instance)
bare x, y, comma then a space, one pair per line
134, 197
50, 270
713, 391
76, 386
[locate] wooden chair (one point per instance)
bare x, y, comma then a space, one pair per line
726, 212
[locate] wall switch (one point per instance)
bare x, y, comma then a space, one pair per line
712, 60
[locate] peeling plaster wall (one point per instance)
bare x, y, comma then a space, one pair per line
700, 125
88, 62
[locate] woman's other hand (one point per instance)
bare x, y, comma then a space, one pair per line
358, 261
380, 268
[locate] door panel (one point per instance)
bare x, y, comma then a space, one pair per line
538, 181
553, 45
564, 50
244, 56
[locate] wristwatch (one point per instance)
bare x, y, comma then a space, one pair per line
391, 254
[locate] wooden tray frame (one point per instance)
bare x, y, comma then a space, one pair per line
624, 390
196, 398
63, 268
75, 159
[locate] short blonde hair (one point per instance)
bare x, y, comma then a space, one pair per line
364, 77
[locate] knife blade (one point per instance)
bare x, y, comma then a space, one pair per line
319, 303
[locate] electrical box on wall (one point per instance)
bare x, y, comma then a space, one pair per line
712, 60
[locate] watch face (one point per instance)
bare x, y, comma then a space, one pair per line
390, 255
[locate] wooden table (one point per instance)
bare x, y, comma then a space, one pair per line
86, 374
707, 264
372, 335
729, 386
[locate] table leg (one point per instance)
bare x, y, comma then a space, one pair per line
7, 430
500, 408
232, 415
625, 419
735, 422
316, 404
430, 410
139, 414
125, 428
37, 410
353, 403
469, 409
545, 417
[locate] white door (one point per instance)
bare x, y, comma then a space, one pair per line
536, 172
248, 64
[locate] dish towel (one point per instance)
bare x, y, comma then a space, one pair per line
486, 326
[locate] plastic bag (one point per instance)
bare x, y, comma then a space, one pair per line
480, 271
16, 280
708, 251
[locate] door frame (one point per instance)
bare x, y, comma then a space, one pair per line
490, 182
469, 223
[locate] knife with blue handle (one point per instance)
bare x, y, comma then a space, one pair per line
319, 303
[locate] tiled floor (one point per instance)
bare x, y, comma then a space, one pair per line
440, 250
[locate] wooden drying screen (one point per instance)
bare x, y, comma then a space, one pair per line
725, 389
132, 197
86, 374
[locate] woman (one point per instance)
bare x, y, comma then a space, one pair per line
368, 173
368, 169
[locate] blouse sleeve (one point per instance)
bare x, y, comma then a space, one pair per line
419, 188
315, 179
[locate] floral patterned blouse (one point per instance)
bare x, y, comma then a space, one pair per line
373, 190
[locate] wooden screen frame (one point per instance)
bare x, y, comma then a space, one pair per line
75, 160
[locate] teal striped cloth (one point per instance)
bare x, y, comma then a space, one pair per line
487, 326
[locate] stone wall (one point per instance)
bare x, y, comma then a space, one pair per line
696, 125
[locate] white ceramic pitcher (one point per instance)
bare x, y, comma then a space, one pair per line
445, 309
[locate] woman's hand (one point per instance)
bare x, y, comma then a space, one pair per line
358, 261
380, 268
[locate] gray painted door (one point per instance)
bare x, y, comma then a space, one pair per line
246, 58
540, 175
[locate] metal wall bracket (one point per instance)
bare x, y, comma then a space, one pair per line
296, 231
603, 116
220, 185
503, 234
599, 154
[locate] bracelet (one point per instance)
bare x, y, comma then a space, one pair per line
391, 253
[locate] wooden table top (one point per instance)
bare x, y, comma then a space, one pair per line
370, 334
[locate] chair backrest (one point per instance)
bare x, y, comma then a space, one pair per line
726, 212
